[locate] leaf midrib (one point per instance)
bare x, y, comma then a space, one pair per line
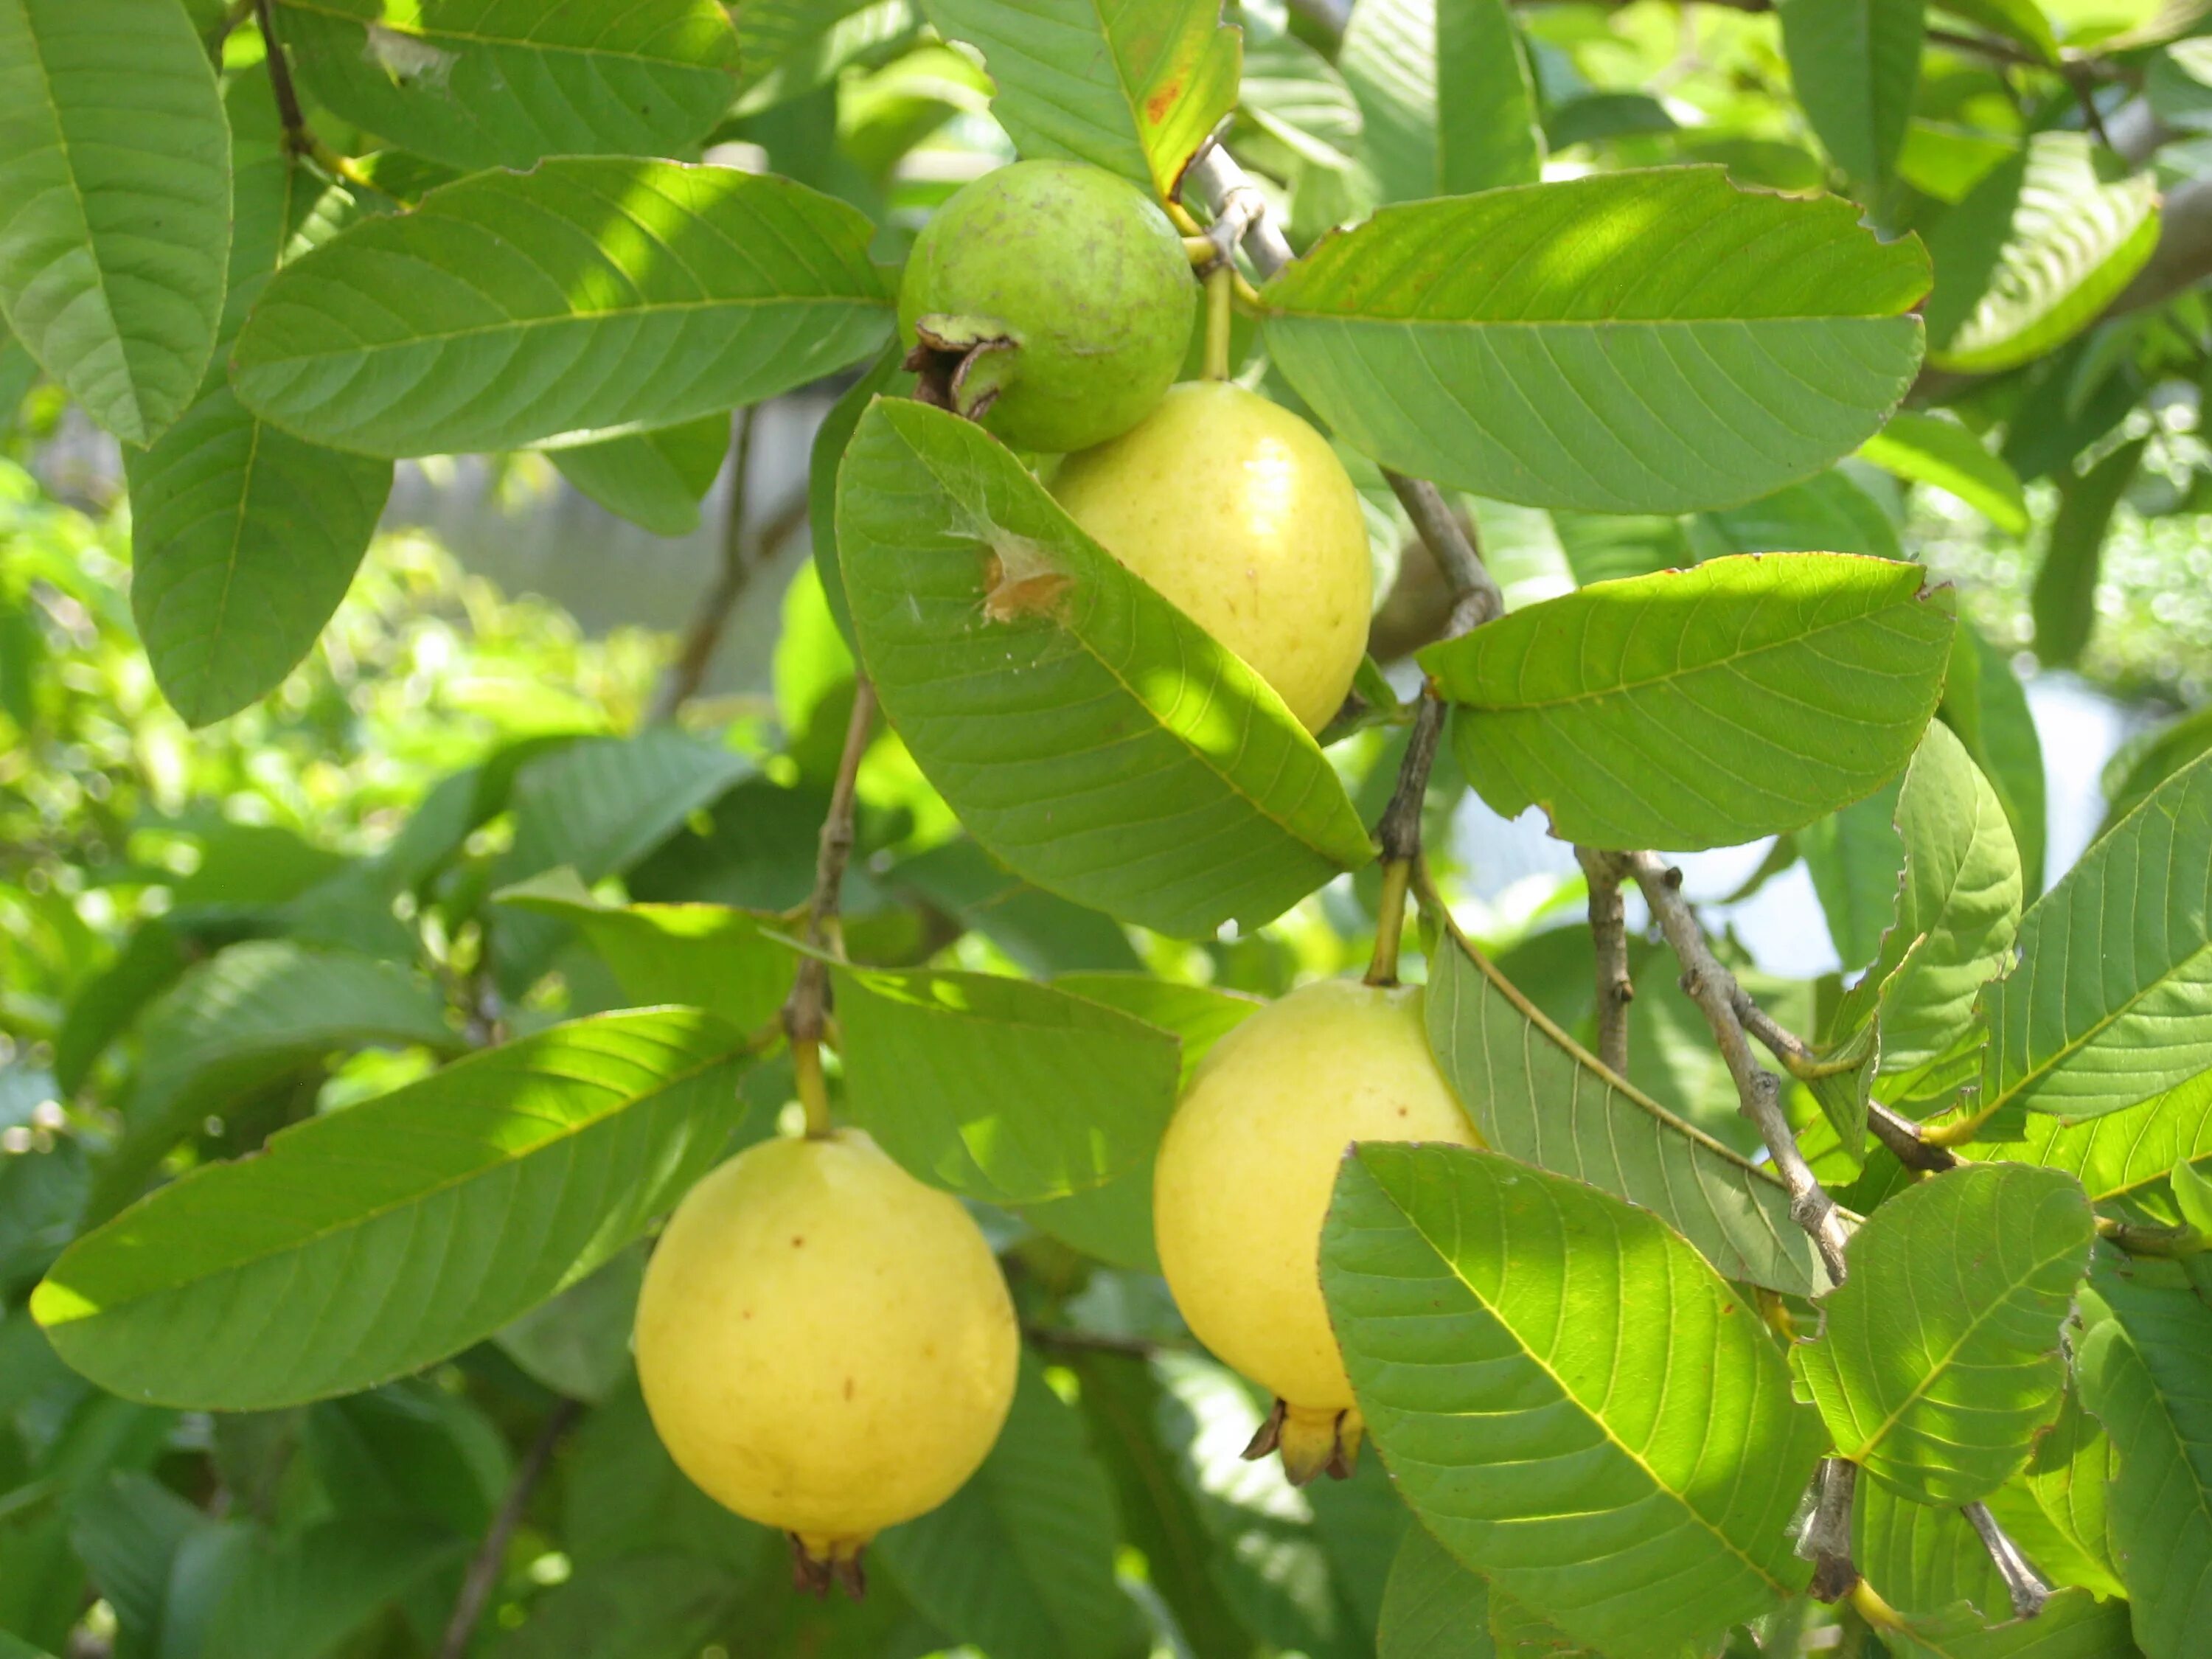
363, 1218
2074, 1046
1377, 320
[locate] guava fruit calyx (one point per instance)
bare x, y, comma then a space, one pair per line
963, 362
1313, 1441
819, 1563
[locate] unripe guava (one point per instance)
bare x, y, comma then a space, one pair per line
826, 1345
1241, 514
1243, 1180
1051, 300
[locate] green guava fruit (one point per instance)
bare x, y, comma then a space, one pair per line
1051, 300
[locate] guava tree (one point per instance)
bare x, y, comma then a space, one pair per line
521, 1208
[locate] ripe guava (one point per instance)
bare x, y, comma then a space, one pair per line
1242, 1186
1241, 514
826, 1345
1051, 300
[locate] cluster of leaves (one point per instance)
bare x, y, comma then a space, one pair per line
486, 970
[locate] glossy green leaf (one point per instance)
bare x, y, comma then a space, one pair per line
701, 956
1617, 342
2110, 1004
2069, 1476
2120, 1153
1000, 1089
1700, 708
334, 1258
300, 1597
1603, 1429
485, 84
1020, 1560
2036, 251
1090, 735
2064, 597
1930, 449
114, 203
2143, 1374
1397, 53
1433, 1607
655, 479
1854, 65
1828, 513
1131, 88
1938, 1358
1983, 703
589, 294
1532, 1092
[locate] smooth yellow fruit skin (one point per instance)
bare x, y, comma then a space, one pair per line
1239, 513
825, 1344
1246, 1168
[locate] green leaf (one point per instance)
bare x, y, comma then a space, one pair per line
589, 294
1020, 1560
487, 83
1131, 88
127, 1530
2142, 1373
656, 478
1433, 1607
2069, 1475
2122, 1153
624, 1498
2145, 761
1044, 934
1856, 860
649, 1607
1297, 97
578, 1343
888, 377
1000, 1089
1534, 1094
1828, 513
1397, 52
2072, 1625
1091, 736
702, 956
1854, 65
1983, 703
1699, 707
1615, 343
2064, 598
2036, 251
1922, 1559
114, 203
787, 48
2112, 1003
1938, 1358
1605, 1431
329, 1262
300, 1597
1932, 449
2019, 20
244, 539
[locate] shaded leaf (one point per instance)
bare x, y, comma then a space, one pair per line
486, 83
1700, 708
886, 376
2072, 1625
589, 294
1433, 1608
1932, 449
1533, 1093
1938, 1358
1000, 1089
655, 479
2035, 253
299, 1598
2110, 1004
1612, 343
1828, 513
1134, 89
1087, 734
336, 1258
2064, 598
578, 1343
650, 1606
1856, 860
1044, 934
1854, 65
1629, 1476
1983, 703
114, 203
2069, 1475
2145, 761
1922, 1559
1397, 53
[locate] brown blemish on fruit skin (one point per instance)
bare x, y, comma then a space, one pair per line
797, 1240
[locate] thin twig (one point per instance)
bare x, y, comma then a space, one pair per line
702, 636
1900, 1134
2021, 1581
491, 1555
1827, 1539
1759, 1091
805, 1011
297, 138
1608, 920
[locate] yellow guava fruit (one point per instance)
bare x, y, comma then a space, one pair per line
1239, 513
1242, 1186
826, 1345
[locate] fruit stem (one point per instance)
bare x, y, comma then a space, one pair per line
1220, 289
1391, 922
1398, 831
805, 1011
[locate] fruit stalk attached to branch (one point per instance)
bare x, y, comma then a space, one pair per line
1608, 920
805, 1011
